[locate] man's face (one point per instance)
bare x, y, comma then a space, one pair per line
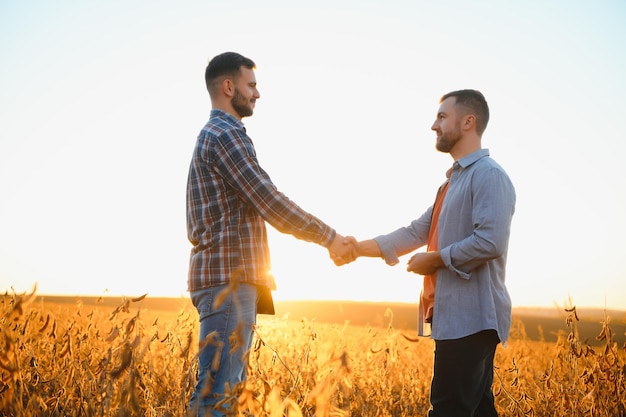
246, 93
447, 126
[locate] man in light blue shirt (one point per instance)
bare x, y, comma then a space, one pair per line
470, 310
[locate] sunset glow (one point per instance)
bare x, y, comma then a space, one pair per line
100, 108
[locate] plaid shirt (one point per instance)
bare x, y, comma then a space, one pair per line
229, 198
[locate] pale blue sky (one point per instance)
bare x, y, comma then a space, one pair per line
100, 104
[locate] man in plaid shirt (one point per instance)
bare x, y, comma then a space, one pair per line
229, 199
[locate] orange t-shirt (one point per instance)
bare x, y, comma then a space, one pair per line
428, 292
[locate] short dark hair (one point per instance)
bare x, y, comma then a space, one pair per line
227, 64
473, 102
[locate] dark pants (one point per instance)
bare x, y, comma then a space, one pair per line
462, 376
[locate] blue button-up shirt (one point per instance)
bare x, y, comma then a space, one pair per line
474, 228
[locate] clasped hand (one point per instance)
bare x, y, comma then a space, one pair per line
343, 250
425, 263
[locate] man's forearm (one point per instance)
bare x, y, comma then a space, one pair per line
369, 248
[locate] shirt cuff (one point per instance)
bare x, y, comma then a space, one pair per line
330, 239
446, 256
387, 250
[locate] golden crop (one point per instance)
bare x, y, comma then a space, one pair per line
129, 361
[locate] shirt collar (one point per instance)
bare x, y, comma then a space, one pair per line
471, 158
229, 117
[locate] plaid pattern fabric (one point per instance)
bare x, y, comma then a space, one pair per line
229, 199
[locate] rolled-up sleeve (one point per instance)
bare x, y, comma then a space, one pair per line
405, 239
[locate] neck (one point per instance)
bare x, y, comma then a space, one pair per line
226, 107
465, 147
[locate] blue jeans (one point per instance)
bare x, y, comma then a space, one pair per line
238, 307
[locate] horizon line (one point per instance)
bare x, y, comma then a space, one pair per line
278, 300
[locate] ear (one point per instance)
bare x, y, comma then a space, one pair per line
469, 122
228, 87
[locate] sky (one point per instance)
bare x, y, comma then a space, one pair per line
101, 103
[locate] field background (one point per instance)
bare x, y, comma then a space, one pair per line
544, 323
126, 357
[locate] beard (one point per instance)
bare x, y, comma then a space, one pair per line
241, 105
447, 140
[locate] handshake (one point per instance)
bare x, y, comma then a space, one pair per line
345, 249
